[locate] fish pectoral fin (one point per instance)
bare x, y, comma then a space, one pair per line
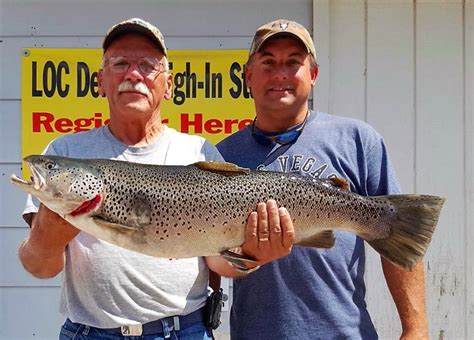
106, 224
323, 239
140, 212
239, 260
338, 182
224, 168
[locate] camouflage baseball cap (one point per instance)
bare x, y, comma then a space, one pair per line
282, 26
135, 25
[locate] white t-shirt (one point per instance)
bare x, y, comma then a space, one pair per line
107, 286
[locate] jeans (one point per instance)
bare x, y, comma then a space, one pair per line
75, 331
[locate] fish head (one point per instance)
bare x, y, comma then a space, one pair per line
64, 185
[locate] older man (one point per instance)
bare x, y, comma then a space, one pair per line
107, 291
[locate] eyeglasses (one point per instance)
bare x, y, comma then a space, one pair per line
146, 65
282, 138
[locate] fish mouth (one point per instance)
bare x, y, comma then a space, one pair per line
20, 181
87, 206
36, 183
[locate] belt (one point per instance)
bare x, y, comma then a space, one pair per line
160, 326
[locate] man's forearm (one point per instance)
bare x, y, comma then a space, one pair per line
408, 292
41, 263
221, 266
42, 253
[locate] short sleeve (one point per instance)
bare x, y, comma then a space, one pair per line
211, 153
381, 177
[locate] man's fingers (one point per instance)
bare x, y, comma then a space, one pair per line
269, 233
263, 234
288, 232
274, 223
251, 236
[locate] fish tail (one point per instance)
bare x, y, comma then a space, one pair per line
411, 228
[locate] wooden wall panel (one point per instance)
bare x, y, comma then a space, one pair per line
29, 313
12, 199
347, 59
10, 132
390, 110
320, 34
197, 18
12, 273
440, 157
469, 163
391, 82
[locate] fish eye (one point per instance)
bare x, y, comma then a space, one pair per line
50, 165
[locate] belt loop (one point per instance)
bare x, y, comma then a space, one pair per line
166, 328
86, 330
176, 324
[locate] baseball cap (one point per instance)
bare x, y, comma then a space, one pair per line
135, 25
282, 26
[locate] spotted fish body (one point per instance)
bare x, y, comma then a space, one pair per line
200, 210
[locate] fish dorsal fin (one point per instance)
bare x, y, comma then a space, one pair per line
323, 239
338, 182
225, 168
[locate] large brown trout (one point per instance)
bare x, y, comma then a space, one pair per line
201, 209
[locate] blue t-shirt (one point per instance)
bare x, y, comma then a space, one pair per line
312, 293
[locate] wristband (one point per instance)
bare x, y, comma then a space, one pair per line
245, 270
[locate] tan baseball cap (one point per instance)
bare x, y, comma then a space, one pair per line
135, 25
282, 26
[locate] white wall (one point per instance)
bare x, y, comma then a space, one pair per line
405, 67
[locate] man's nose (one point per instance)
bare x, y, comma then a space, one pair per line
133, 73
280, 72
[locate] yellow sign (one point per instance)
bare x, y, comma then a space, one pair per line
60, 94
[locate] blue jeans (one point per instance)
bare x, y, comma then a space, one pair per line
75, 331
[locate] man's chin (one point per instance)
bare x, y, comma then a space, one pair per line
137, 108
281, 96
133, 95
281, 101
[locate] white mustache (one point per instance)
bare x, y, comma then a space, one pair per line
129, 86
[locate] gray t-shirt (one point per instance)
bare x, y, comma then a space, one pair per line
107, 286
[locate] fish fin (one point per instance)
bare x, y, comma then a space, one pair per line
340, 183
140, 212
239, 260
107, 224
225, 168
411, 228
323, 239
337, 182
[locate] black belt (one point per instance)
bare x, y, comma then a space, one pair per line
156, 327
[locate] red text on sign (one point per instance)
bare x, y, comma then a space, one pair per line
47, 122
196, 124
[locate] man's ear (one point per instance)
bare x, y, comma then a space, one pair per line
100, 82
314, 75
248, 75
169, 86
